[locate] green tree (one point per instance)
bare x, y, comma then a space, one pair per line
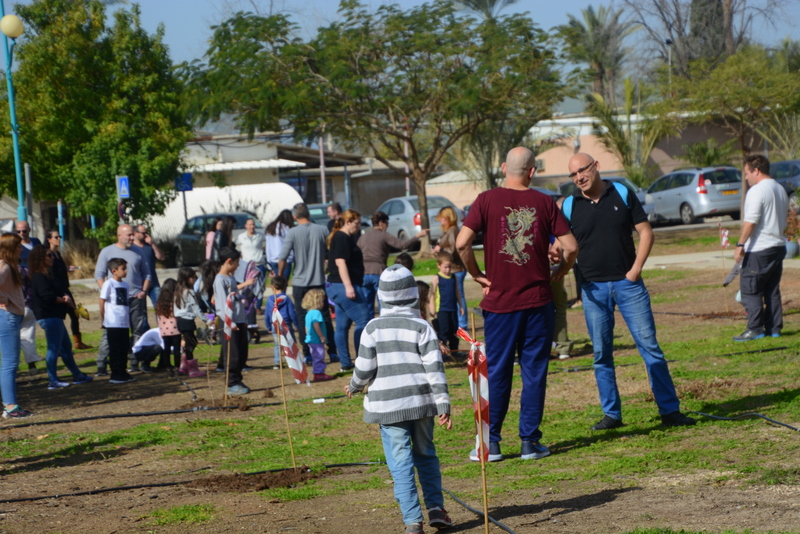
709, 152
631, 133
95, 101
597, 41
426, 77
488, 9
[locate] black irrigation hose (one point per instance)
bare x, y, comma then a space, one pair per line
751, 351
473, 510
704, 315
751, 414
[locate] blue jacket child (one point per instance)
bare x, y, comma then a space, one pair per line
286, 309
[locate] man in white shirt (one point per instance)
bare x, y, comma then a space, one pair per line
761, 249
251, 246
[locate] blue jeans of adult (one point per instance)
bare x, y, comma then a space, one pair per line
370, 288
348, 312
528, 334
462, 319
633, 301
9, 352
153, 294
409, 445
55, 332
287, 271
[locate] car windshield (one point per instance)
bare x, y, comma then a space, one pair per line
723, 176
433, 203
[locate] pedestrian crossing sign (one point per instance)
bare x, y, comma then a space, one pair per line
123, 187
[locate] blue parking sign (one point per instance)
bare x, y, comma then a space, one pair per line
123, 187
184, 182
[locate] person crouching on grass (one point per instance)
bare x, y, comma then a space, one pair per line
115, 317
400, 361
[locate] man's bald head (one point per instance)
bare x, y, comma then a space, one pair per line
579, 160
124, 235
519, 161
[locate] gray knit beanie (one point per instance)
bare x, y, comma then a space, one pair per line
398, 289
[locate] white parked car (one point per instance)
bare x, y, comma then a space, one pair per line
405, 218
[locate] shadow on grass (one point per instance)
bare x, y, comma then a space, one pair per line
559, 507
750, 403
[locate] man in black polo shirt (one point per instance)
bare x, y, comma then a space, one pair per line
602, 217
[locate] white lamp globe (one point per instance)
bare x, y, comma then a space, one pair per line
11, 26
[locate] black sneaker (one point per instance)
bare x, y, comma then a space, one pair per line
533, 450
607, 423
750, 335
134, 368
677, 419
439, 518
122, 379
102, 370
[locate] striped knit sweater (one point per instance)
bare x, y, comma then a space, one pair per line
399, 357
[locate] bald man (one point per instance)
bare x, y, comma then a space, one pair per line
519, 316
138, 279
602, 216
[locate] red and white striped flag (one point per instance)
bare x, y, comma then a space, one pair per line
294, 358
227, 320
478, 371
723, 236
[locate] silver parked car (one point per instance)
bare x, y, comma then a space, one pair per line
787, 173
568, 188
405, 219
190, 245
688, 194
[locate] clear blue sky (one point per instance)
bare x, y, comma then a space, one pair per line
187, 22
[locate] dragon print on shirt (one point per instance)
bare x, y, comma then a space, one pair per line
515, 230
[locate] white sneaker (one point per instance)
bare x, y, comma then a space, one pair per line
563, 356
58, 385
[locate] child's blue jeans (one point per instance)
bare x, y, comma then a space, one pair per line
409, 445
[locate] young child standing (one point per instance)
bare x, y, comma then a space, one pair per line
225, 284
286, 309
316, 333
115, 317
399, 360
186, 309
445, 301
168, 327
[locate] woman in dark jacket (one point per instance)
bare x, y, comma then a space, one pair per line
50, 303
224, 237
60, 273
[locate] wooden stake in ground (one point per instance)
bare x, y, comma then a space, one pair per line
283, 387
481, 445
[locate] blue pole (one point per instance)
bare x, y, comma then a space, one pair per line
94, 222
22, 213
61, 220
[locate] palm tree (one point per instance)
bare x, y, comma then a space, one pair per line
627, 136
487, 8
597, 42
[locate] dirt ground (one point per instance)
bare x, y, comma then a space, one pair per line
697, 502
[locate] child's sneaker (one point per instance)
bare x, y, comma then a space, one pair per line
58, 384
438, 518
122, 379
16, 413
238, 389
414, 528
494, 453
322, 377
83, 379
102, 370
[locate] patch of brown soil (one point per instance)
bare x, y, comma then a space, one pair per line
241, 483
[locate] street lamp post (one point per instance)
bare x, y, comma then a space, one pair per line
12, 27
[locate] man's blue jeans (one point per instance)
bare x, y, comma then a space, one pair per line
371, 291
9, 351
153, 294
58, 342
633, 300
348, 312
409, 445
529, 334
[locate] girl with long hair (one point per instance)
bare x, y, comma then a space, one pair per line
185, 310
50, 305
12, 309
448, 219
346, 278
168, 325
223, 237
215, 225
275, 234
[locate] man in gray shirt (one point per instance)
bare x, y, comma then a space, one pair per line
308, 241
138, 279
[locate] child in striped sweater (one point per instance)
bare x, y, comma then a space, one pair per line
400, 361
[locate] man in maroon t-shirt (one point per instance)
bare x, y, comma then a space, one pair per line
518, 311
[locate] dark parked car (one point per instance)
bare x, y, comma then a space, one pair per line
190, 246
787, 173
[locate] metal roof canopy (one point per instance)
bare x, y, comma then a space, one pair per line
249, 165
310, 156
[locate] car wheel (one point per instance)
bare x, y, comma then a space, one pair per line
178, 257
687, 214
793, 202
403, 236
